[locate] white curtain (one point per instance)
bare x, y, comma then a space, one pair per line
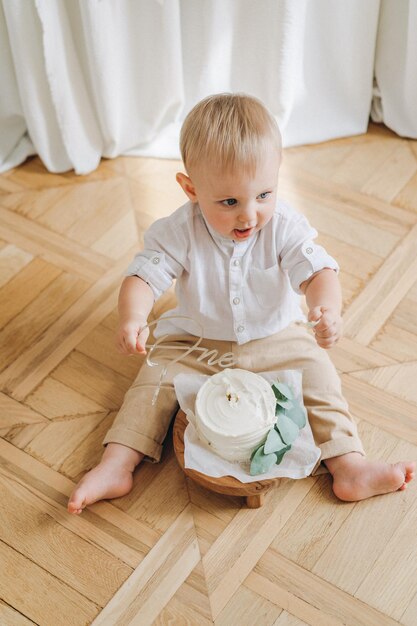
82, 79
395, 101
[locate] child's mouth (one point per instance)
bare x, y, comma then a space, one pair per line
243, 233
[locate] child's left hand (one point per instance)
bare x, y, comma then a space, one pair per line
329, 329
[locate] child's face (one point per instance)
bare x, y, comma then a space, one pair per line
235, 204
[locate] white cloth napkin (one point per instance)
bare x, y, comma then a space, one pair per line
297, 462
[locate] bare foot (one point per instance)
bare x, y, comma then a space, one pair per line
111, 478
357, 478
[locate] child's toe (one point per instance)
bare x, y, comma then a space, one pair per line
76, 503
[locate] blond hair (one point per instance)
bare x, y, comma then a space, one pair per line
228, 130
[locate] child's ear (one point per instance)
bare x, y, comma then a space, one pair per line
187, 185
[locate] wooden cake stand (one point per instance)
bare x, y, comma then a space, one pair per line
253, 492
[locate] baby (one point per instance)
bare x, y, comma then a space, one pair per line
241, 258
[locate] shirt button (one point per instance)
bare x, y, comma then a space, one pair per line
309, 250
236, 262
236, 300
240, 329
155, 260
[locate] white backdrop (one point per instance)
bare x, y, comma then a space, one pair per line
81, 79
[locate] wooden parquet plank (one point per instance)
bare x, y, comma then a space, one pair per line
359, 550
175, 612
52, 247
408, 618
46, 600
356, 261
23, 528
391, 582
99, 383
325, 158
364, 161
99, 344
351, 287
163, 500
349, 356
53, 486
379, 237
12, 260
121, 235
25, 287
407, 197
194, 591
405, 315
247, 607
88, 453
208, 526
367, 314
129, 553
399, 380
320, 518
307, 596
150, 587
70, 431
367, 209
380, 408
393, 174
396, 342
117, 546
10, 617
220, 510
239, 547
54, 399
34, 364
21, 436
286, 619
189, 606
13, 413
88, 211
42, 313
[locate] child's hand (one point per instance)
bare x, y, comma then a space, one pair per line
130, 338
329, 329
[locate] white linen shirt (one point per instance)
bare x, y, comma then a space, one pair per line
234, 290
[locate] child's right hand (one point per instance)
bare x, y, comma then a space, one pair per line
130, 338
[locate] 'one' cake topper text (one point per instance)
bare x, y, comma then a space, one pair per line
224, 360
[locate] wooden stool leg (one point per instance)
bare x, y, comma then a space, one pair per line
254, 502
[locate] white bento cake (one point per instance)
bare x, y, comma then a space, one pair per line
234, 411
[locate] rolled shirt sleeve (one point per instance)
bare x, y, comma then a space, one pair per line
300, 256
162, 259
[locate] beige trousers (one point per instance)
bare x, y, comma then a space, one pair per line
143, 427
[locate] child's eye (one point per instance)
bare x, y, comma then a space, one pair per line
229, 202
264, 195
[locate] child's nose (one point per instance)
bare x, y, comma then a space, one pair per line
247, 216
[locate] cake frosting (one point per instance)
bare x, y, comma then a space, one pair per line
234, 411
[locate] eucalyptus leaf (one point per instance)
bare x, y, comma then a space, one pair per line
297, 414
284, 403
279, 410
284, 390
287, 429
277, 430
273, 442
280, 454
261, 462
255, 451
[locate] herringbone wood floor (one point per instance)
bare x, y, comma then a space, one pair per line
170, 552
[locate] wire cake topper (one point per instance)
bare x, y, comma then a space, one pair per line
225, 360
